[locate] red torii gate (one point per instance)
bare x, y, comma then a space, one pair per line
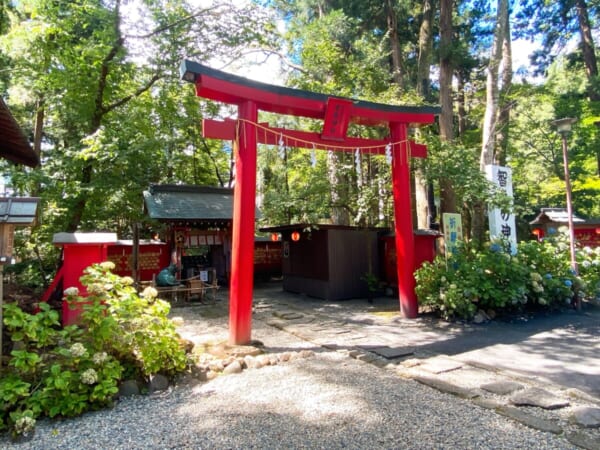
336, 113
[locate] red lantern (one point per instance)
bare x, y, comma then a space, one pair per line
274, 237
537, 232
295, 236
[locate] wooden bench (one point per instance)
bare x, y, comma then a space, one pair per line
189, 288
197, 287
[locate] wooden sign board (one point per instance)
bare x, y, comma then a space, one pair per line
7, 234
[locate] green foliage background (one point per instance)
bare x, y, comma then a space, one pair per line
102, 77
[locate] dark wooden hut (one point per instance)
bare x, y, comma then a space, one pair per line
328, 261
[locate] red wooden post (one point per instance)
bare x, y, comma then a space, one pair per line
242, 246
405, 244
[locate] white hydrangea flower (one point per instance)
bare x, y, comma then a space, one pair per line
535, 276
77, 350
99, 358
71, 291
95, 288
150, 292
24, 425
107, 265
89, 376
127, 281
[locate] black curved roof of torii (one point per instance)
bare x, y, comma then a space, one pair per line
202, 76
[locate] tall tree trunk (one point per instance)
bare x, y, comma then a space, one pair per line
490, 121
447, 194
38, 130
505, 103
392, 23
461, 102
490, 118
100, 111
587, 49
339, 214
425, 50
424, 204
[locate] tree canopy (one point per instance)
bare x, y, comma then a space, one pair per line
95, 84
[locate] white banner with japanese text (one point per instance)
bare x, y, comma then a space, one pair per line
502, 223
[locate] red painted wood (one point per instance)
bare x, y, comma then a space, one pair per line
251, 96
297, 105
405, 246
242, 248
77, 257
418, 150
337, 118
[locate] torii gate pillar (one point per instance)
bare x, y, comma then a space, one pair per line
405, 245
242, 245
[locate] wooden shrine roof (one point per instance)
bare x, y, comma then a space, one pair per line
176, 203
14, 146
554, 215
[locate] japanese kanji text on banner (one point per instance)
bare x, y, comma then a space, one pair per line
502, 223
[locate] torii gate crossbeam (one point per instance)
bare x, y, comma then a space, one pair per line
336, 113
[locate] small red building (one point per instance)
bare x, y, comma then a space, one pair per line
198, 223
81, 250
425, 250
587, 231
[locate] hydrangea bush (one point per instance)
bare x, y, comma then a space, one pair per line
539, 275
54, 371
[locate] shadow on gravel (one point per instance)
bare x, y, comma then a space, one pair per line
563, 347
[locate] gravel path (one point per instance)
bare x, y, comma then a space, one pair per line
327, 401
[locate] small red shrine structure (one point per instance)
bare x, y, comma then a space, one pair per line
337, 113
81, 250
586, 231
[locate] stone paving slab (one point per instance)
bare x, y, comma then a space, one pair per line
585, 416
389, 352
440, 364
454, 358
530, 420
583, 440
502, 387
538, 397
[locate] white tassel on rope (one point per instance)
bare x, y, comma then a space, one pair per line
281, 147
388, 153
313, 157
358, 165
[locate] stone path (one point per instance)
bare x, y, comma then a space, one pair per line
413, 349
